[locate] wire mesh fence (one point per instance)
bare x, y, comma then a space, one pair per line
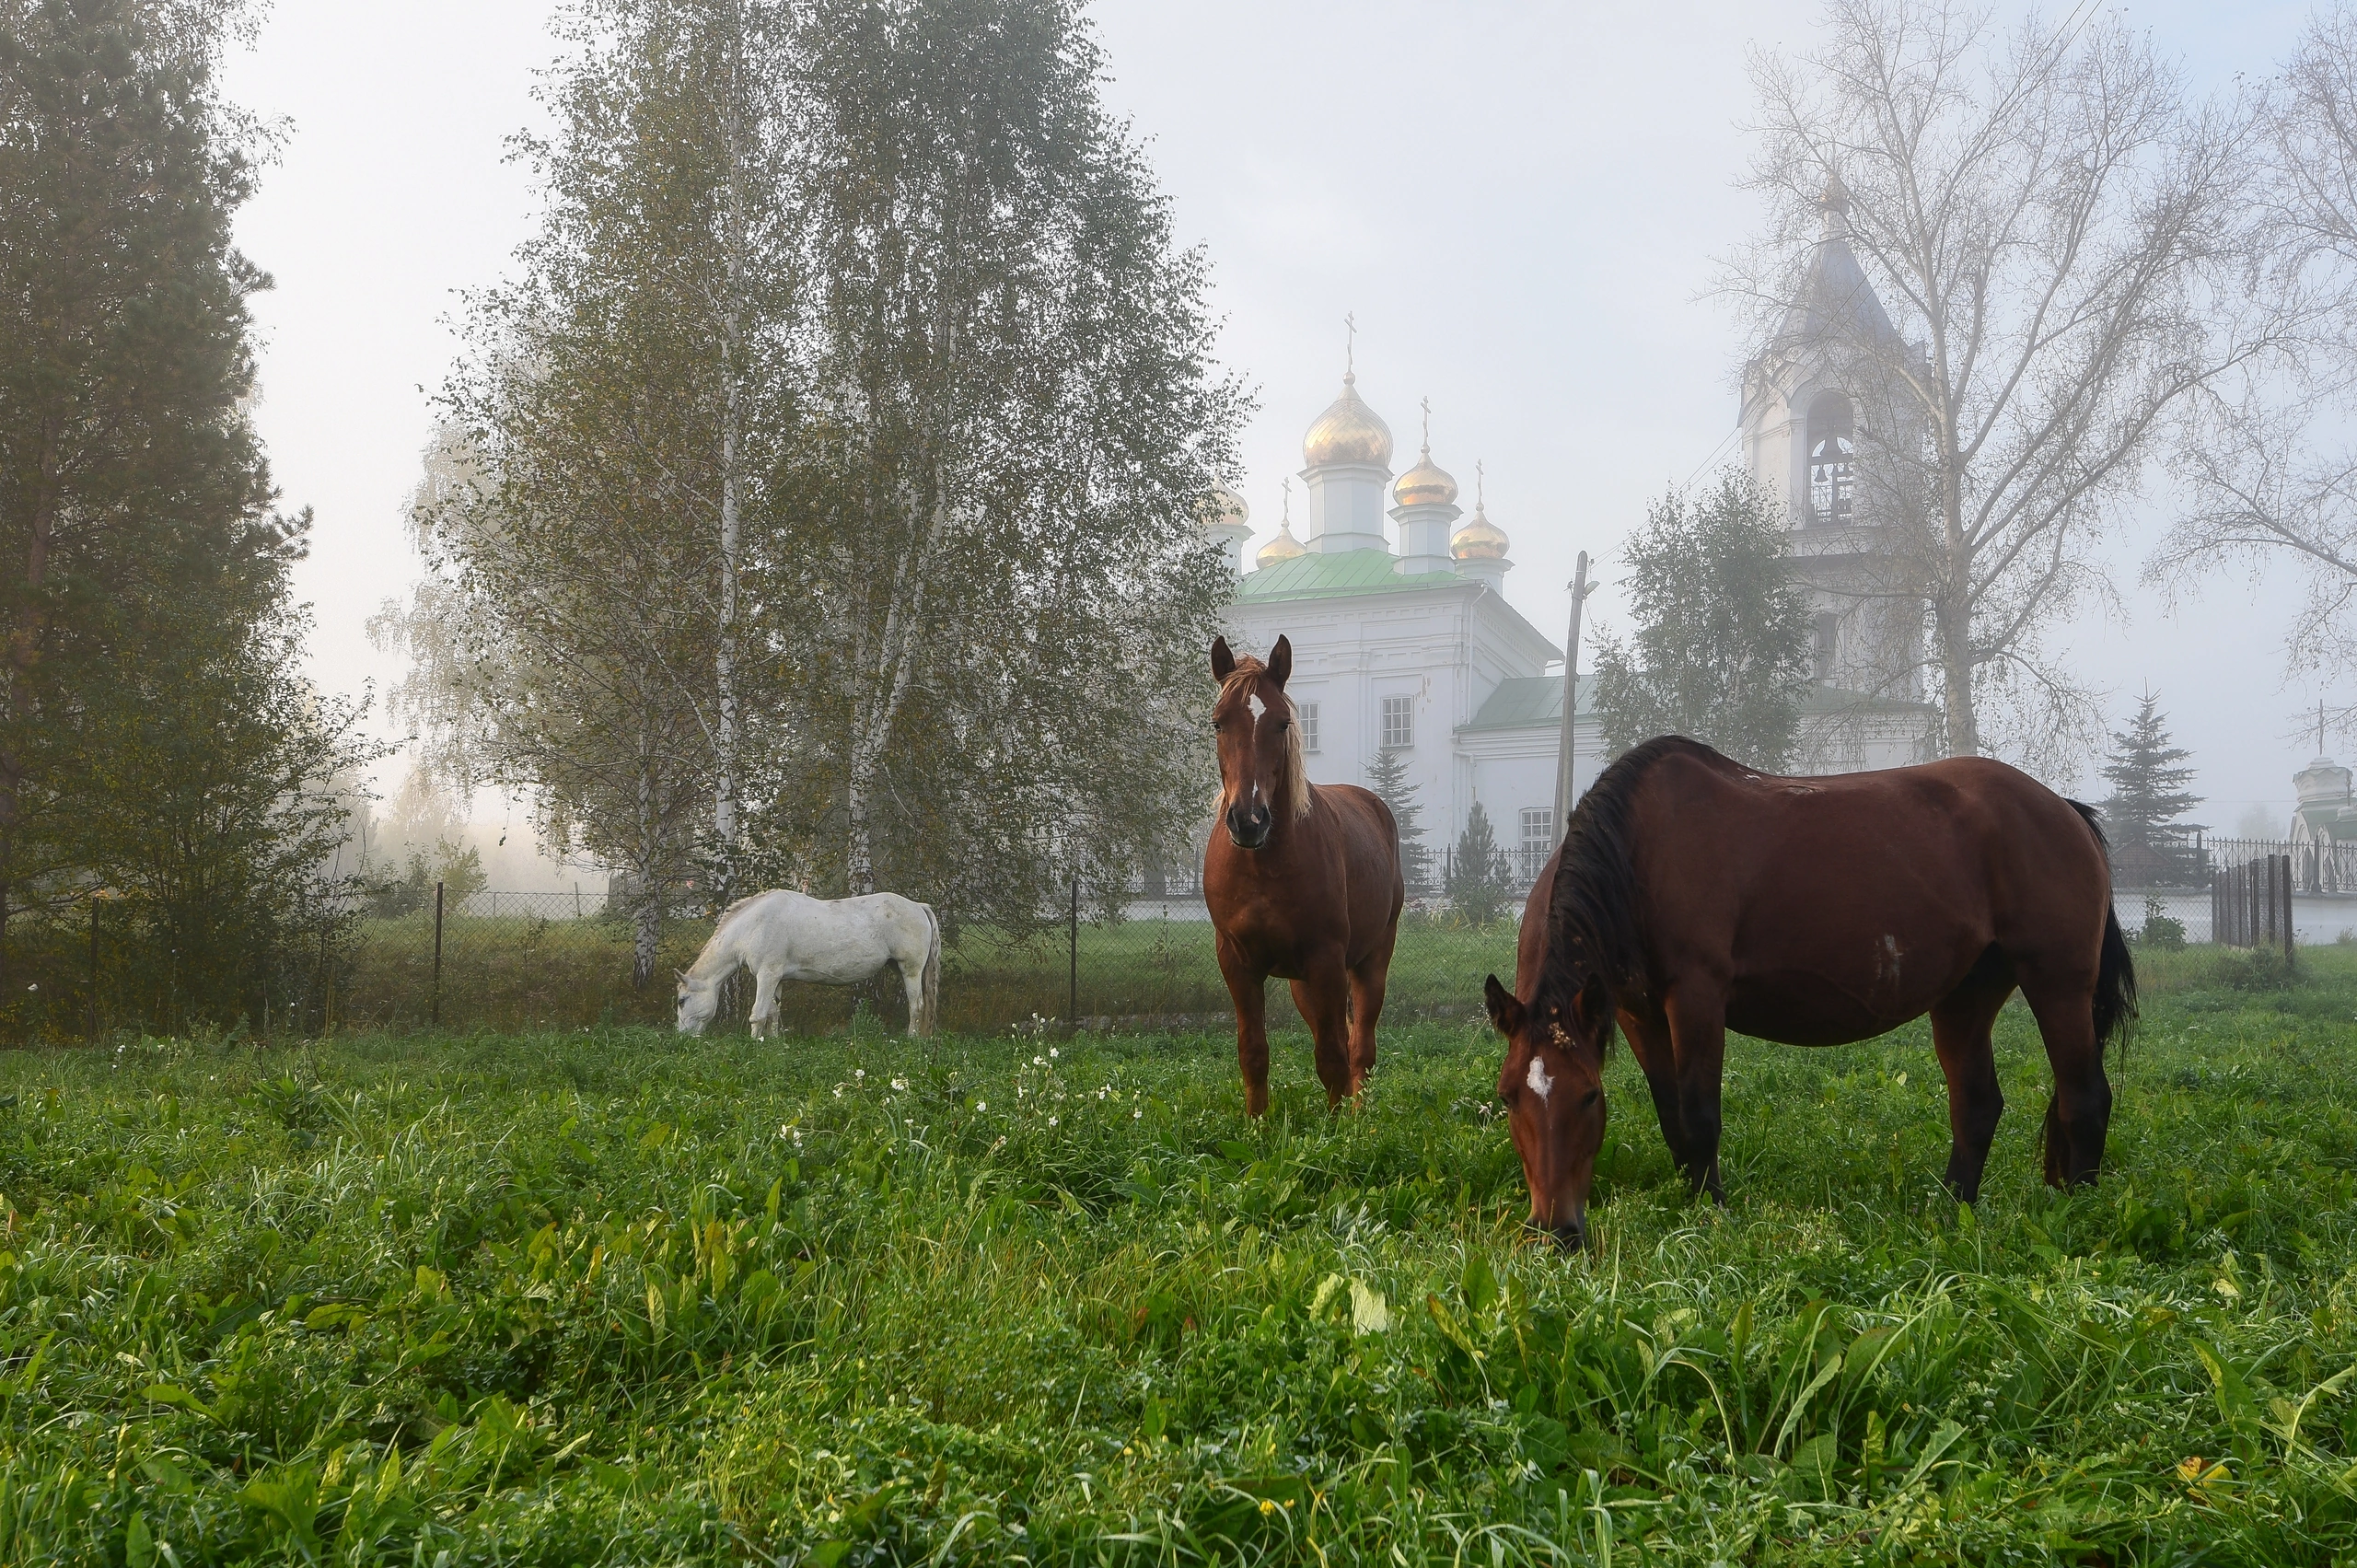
537, 965
497, 960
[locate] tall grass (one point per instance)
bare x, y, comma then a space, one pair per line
605, 1295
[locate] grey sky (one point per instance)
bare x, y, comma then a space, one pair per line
1519, 203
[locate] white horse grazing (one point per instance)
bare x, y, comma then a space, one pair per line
788, 935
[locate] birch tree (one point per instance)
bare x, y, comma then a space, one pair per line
1014, 419
609, 445
2053, 235
2271, 474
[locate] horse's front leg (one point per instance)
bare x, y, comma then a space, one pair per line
1247, 988
1324, 998
764, 1002
1698, 1036
1648, 1037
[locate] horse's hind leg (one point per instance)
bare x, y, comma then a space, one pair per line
2079, 1116
1960, 1022
1367, 982
912, 981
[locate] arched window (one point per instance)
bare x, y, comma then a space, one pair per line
1831, 459
1828, 646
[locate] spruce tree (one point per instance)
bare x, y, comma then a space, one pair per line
2148, 787
158, 738
1387, 776
1480, 880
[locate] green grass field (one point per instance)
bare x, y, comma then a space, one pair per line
609, 1296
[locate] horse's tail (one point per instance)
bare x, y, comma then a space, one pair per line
2115, 999
932, 971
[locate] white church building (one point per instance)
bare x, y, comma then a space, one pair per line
1403, 640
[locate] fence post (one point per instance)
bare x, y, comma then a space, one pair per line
2287, 909
1074, 1011
94, 967
434, 1015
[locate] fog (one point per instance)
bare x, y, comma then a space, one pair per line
1520, 205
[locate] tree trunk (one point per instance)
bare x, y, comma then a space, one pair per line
724, 807
17, 663
648, 859
859, 864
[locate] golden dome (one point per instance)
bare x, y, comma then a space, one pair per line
1284, 547
1426, 484
1348, 432
1479, 539
1225, 508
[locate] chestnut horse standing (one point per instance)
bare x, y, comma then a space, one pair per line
1694, 895
1302, 882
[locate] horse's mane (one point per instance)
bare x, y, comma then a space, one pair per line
1293, 770
730, 913
1591, 909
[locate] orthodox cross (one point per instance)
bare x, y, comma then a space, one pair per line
1286, 521
1350, 344
1428, 426
1476, 485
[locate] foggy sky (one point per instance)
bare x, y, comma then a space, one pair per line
1520, 205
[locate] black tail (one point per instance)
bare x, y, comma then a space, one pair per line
2116, 970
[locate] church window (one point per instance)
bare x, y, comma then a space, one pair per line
1829, 642
1306, 714
1398, 723
1538, 838
1832, 460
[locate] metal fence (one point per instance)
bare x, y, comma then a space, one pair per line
536, 964
415, 957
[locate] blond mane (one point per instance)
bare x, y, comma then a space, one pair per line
1293, 769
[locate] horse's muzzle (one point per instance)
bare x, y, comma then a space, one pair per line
1247, 827
1569, 1237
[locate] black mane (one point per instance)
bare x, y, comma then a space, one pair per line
1591, 909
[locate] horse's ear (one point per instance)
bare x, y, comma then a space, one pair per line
1223, 660
1506, 1010
1281, 662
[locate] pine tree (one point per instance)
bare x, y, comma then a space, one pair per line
1387, 776
1480, 880
2148, 787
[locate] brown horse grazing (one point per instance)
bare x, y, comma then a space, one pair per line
1302, 882
1694, 895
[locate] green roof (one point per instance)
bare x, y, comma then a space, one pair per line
1522, 702
1334, 577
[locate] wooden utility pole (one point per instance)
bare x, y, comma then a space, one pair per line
1564, 796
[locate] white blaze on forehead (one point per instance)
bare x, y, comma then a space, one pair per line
1541, 1083
1258, 707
